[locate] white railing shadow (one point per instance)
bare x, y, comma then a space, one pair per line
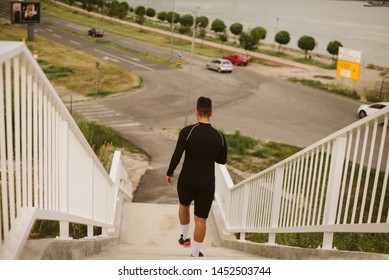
338, 184
48, 169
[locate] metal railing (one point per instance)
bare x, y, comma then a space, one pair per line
48, 169
338, 184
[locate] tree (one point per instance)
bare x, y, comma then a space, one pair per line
333, 48
123, 10
236, 28
116, 9
140, 12
172, 17
247, 41
259, 33
282, 38
306, 43
223, 37
186, 21
150, 12
162, 16
218, 26
202, 22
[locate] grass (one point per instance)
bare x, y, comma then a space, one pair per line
252, 155
104, 141
362, 242
326, 87
73, 68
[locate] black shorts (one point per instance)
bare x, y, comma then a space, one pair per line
201, 194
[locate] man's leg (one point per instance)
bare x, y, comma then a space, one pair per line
183, 214
184, 217
199, 235
200, 229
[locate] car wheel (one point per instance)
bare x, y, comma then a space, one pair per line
362, 114
219, 70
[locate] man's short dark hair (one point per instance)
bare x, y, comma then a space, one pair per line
204, 106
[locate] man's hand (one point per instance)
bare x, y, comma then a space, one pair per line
169, 180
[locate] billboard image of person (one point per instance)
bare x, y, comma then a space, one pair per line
25, 12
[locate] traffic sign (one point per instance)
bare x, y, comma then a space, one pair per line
179, 53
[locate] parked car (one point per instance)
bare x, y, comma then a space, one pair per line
96, 32
368, 109
237, 59
220, 65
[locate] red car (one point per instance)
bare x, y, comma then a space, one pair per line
237, 59
96, 32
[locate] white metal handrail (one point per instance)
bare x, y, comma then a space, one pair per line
338, 184
48, 169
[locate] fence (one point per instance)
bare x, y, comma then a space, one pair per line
338, 184
48, 169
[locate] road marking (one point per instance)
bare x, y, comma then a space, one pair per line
56, 35
125, 60
74, 42
125, 124
133, 58
108, 58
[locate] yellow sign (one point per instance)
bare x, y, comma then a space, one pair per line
179, 61
348, 70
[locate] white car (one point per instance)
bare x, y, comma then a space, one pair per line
368, 109
220, 65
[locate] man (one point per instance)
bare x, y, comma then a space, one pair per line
203, 146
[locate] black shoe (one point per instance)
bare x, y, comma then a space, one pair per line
185, 243
200, 255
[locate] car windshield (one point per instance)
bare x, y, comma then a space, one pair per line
226, 63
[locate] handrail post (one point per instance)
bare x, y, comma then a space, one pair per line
333, 188
64, 230
276, 203
90, 232
246, 193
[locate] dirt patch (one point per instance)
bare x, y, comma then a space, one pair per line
369, 80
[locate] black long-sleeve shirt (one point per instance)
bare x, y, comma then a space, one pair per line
203, 146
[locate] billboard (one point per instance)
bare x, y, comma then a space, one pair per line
349, 64
25, 12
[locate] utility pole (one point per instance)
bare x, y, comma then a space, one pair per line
275, 33
97, 77
191, 67
171, 31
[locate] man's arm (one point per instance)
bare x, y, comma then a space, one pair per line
177, 154
222, 157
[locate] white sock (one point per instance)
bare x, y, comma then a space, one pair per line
196, 248
185, 231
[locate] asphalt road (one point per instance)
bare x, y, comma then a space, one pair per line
258, 106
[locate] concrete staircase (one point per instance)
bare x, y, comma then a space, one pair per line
151, 231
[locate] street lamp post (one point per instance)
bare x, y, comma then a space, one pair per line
275, 33
191, 68
171, 31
